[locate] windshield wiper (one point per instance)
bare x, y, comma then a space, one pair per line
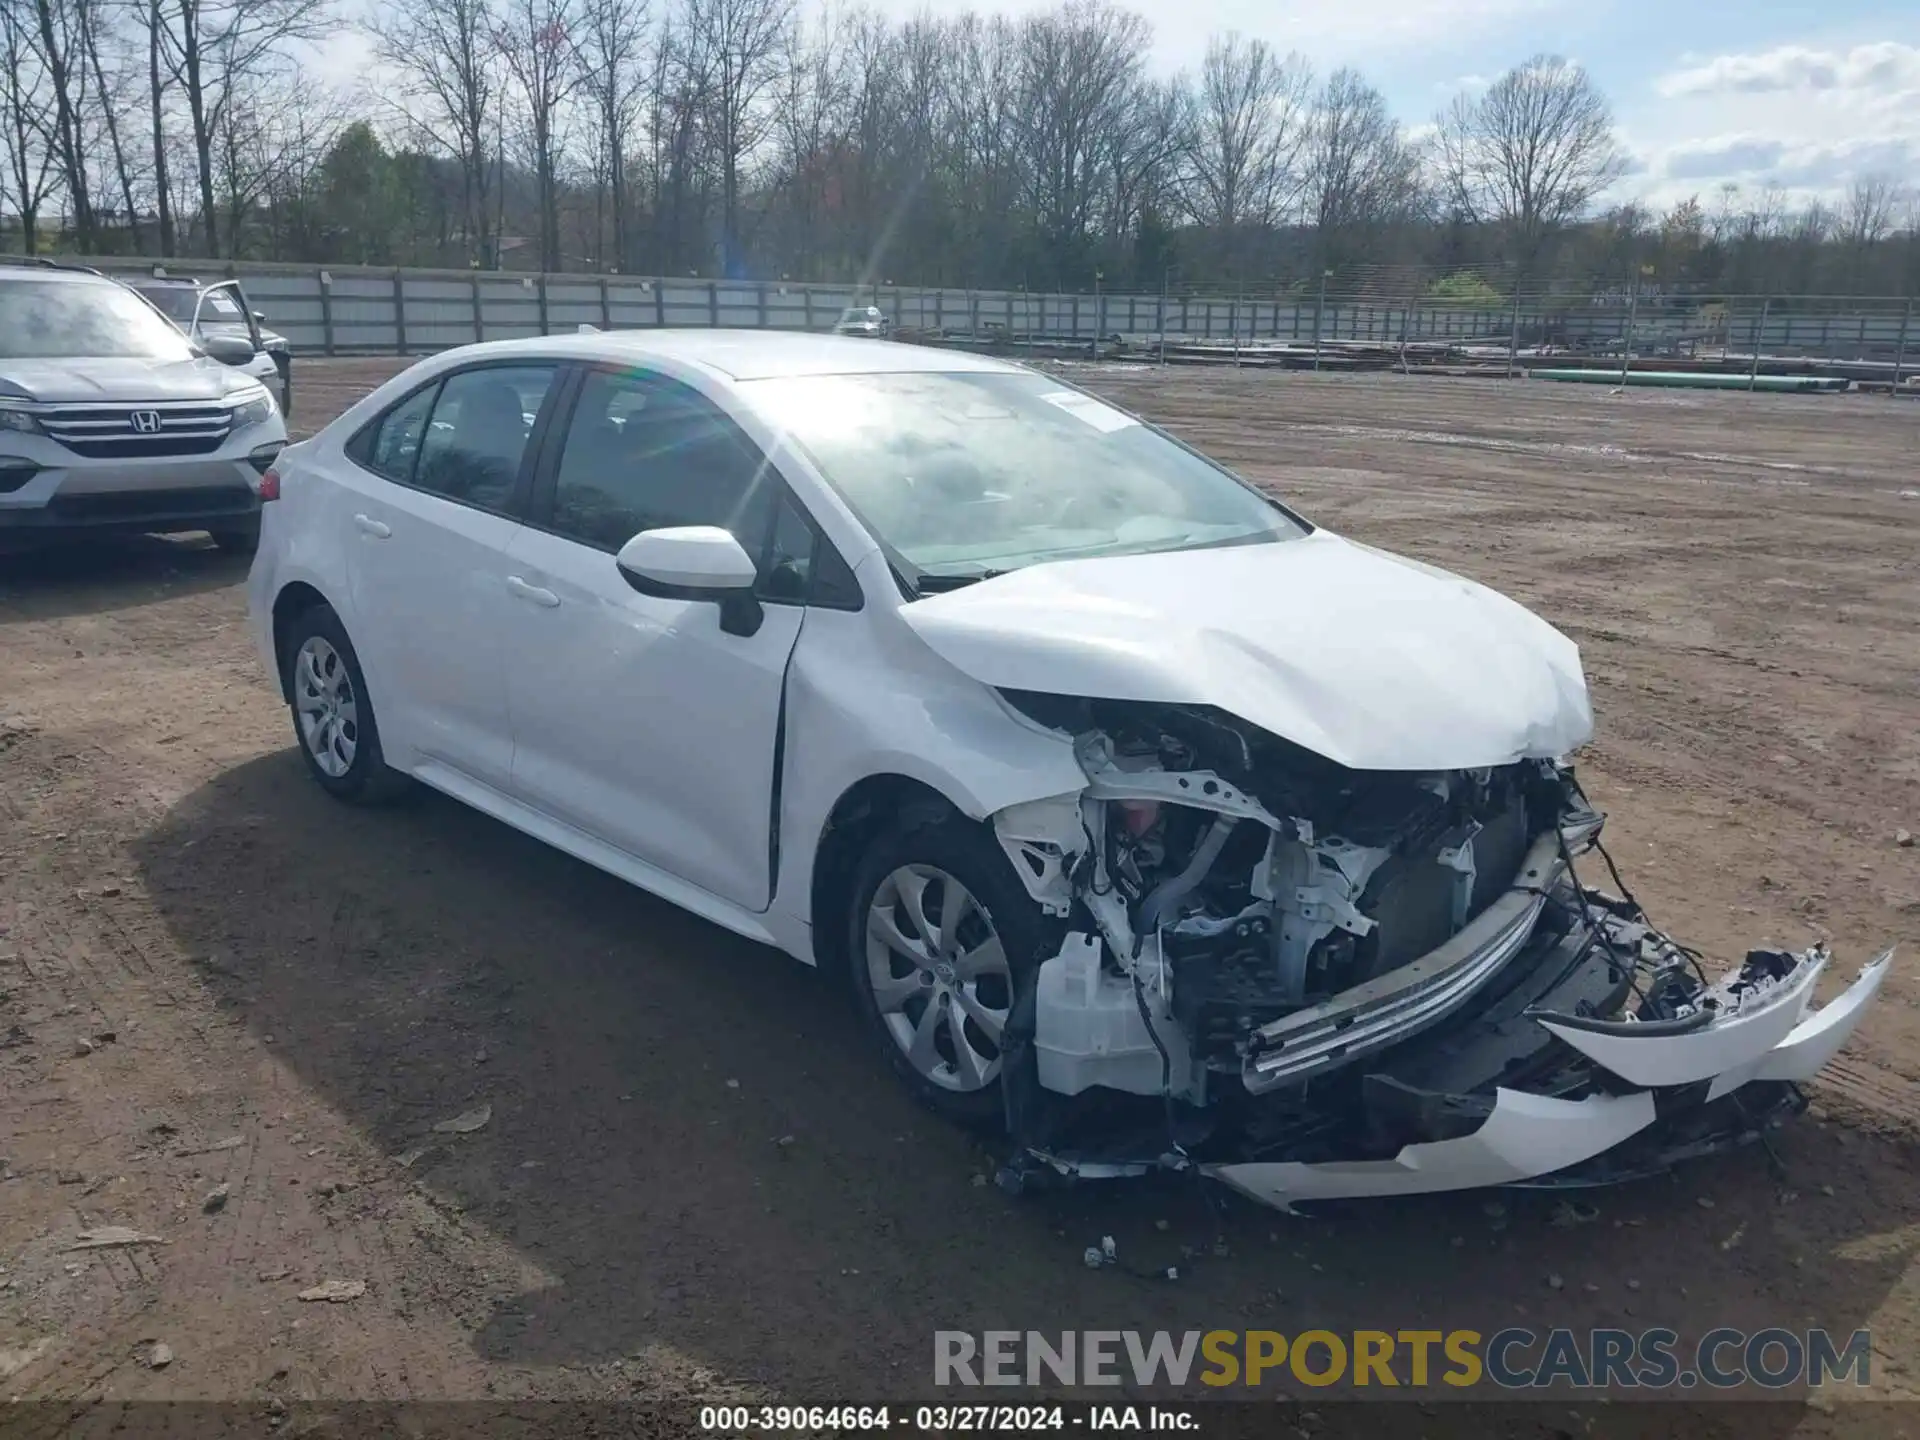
927, 584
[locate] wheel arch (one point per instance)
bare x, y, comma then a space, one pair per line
863, 810
294, 600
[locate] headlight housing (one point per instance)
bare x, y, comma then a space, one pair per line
14, 418
255, 409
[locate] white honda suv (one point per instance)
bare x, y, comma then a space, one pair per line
1143, 818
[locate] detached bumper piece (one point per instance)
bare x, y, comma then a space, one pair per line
1588, 1050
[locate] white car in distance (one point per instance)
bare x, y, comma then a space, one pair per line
1144, 818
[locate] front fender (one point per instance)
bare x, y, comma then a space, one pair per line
853, 713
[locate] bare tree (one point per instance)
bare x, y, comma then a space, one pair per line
1531, 153
216, 50
1867, 213
443, 52
157, 109
26, 111
811, 119
57, 32
113, 92
535, 41
1252, 119
735, 48
612, 58
1079, 67
1361, 175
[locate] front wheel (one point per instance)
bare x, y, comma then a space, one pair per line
943, 938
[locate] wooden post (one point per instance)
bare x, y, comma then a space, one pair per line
606, 306
399, 313
1759, 334
479, 326
713, 304
540, 294
806, 299
762, 297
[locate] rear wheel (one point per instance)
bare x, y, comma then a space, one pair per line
942, 938
332, 713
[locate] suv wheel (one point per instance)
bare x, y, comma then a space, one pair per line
332, 713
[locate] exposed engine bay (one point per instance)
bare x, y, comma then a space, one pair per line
1312, 981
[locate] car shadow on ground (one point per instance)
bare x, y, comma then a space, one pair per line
111, 573
689, 1135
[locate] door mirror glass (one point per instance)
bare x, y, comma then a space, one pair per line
687, 561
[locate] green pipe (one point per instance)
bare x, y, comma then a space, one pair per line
1687, 380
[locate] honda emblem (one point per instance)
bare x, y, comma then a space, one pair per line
145, 422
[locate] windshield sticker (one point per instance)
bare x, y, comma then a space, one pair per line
1103, 418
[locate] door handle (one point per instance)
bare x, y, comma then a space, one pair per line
532, 592
379, 529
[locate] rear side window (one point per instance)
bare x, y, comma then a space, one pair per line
393, 443
477, 437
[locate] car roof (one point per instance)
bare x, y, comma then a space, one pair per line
62, 274
761, 354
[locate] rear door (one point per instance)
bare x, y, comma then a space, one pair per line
638, 719
441, 482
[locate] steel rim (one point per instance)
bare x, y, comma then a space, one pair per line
939, 977
325, 706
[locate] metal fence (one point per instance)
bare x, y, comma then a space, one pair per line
353, 310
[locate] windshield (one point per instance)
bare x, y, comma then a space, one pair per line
179, 300
71, 320
966, 474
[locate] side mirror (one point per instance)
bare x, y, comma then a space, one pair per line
259, 317
695, 562
228, 349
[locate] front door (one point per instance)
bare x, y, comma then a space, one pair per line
638, 719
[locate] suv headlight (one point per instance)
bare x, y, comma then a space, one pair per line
256, 409
14, 418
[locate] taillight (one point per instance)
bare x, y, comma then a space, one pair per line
270, 485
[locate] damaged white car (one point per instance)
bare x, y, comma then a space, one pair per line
1145, 818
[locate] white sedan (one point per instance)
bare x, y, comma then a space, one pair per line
1145, 819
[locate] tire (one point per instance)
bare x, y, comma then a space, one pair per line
935, 1024
239, 539
333, 720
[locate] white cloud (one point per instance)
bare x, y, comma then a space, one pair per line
1809, 119
1887, 67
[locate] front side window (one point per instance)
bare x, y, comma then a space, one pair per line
476, 440
646, 453
44, 318
968, 474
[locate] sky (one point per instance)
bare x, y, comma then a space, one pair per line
1809, 95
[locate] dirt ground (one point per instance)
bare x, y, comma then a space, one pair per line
232, 1013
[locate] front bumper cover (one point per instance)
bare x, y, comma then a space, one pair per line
1527, 1136
1520, 1084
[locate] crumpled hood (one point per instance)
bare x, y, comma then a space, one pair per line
82, 381
1374, 661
